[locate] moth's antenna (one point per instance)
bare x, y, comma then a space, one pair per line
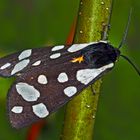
126, 30
133, 65
123, 41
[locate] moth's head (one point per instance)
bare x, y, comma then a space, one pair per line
100, 54
113, 53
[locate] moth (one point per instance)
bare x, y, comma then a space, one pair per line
47, 78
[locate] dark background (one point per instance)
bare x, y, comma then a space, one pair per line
27, 24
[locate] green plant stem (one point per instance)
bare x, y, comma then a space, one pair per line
92, 25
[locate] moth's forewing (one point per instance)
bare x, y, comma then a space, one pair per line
15, 63
59, 85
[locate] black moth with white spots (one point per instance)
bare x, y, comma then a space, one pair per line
47, 78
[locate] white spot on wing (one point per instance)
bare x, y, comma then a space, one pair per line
62, 77
17, 109
5, 66
36, 63
19, 66
87, 75
56, 48
77, 47
42, 79
70, 91
40, 110
28, 92
54, 56
103, 41
25, 54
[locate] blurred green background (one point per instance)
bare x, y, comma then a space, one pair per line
27, 24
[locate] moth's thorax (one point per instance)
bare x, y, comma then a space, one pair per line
100, 54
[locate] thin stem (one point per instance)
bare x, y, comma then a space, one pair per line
93, 20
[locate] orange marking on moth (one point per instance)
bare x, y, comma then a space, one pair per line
78, 59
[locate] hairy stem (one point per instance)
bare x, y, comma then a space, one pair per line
92, 25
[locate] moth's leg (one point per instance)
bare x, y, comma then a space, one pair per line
104, 33
92, 89
106, 27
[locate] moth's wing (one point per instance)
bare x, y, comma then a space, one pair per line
25, 60
15, 63
43, 89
